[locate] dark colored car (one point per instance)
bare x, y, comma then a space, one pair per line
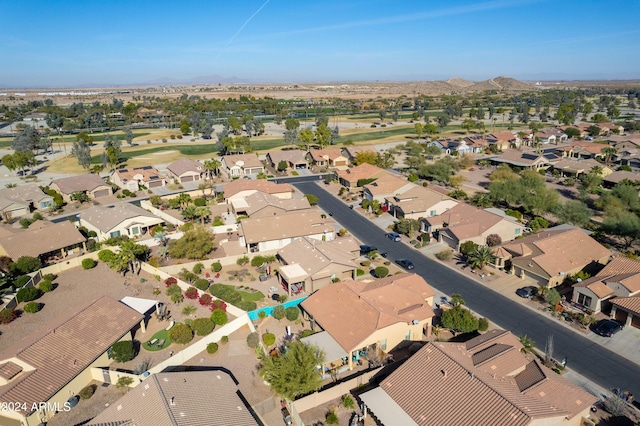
405, 263
606, 327
527, 292
364, 249
393, 236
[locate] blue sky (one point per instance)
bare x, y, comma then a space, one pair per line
53, 43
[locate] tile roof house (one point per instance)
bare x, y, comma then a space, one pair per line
609, 128
619, 279
120, 219
503, 140
380, 313
552, 135
308, 265
419, 202
56, 361
92, 185
261, 204
572, 167
43, 242
447, 145
525, 159
328, 157
387, 185
186, 170
349, 177
617, 177
548, 257
180, 399
134, 178
241, 188
295, 159
238, 165
23, 200
473, 144
484, 381
582, 149
465, 222
352, 151
275, 232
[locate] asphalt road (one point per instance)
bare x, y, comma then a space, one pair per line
596, 363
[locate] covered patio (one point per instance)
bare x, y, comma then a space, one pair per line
292, 278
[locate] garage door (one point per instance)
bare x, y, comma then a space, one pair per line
635, 321
102, 193
187, 179
621, 316
155, 184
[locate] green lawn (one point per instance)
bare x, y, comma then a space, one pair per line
199, 149
162, 334
246, 295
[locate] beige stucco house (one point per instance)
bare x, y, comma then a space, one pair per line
120, 219
91, 185
385, 186
43, 240
136, 177
23, 200
261, 204
241, 188
418, 202
239, 165
186, 170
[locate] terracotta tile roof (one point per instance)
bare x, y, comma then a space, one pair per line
363, 171
325, 154
593, 148
144, 174
440, 385
242, 160
387, 184
417, 199
189, 398
466, 221
505, 136
573, 166
620, 265
293, 156
63, 348
24, 194
557, 251
313, 256
631, 283
262, 185
259, 200
521, 158
290, 225
42, 240
631, 304
597, 286
79, 183
185, 165
107, 218
9, 370
369, 306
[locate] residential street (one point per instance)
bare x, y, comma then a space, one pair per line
585, 357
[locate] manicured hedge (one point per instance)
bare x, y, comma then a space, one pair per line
32, 307
202, 326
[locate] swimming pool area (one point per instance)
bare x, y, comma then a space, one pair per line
254, 315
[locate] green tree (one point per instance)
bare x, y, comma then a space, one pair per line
385, 160
128, 135
528, 345
294, 372
572, 132
408, 226
479, 258
625, 226
27, 264
366, 157
122, 351
82, 152
574, 212
219, 317
185, 127
292, 124
305, 136
468, 124
459, 320
419, 129
323, 135
282, 165
552, 297
129, 257
181, 334
195, 243
468, 247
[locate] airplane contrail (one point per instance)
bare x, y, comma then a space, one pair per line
242, 27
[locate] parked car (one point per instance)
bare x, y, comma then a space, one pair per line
405, 263
364, 249
606, 327
527, 292
393, 236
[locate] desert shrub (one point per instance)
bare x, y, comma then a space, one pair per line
468, 247
269, 338
49, 277
247, 305
27, 264
224, 339
187, 276
278, 312
191, 293
45, 286
483, 324
86, 392
200, 202
173, 289
155, 261
493, 240
88, 263
181, 333
212, 348
292, 313
124, 382
445, 254
262, 314
216, 266
552, 297
27, 294
170, 281
202, 326
106, 256
202, 284
32, 307
347, 402
21, 281
228, 294
122, 351
253, 340
365, 263
219, 305
514, 213
205, 299
189, 310
198, 267
219, 317
331, 418
306, 333
7, 315
381, 272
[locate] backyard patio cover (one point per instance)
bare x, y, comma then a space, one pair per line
385, 408
323, 340
141, 305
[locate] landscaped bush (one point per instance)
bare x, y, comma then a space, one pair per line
269, 338
212, 348
202, 326
359, 272
181, 334
191, 293
445, 254
483, 324
200, 202
27, 264
188, 276
218, 304
155, 261
86, 392
306, 333
278, 312
88, 263
332, 418
282, 298
468, 247
32, 307
21, 281
202, 284
198, 267
347, 402
27, 294
173, 289
292, 313
365, 263
219, 317
226, 293
381, 272
124, 382
253, 339
224, 339
170, 281
216, 266
45, 286
205, 299
106, 256
122, 351
262, 314
247, 305
49, 277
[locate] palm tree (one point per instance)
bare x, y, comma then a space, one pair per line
202, 212
528, 345
596, 170
481, 200
608, 153
456, 300
184, 199
481, 256
212, 165
189, 212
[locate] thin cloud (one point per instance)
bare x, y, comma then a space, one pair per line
585, 38
242, 27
